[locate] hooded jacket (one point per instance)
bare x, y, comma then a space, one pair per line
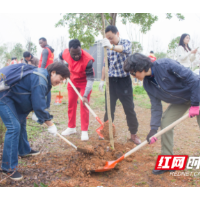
29, 94
171, 83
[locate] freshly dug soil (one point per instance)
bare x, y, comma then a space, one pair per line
76, 168
105, 131
88, 149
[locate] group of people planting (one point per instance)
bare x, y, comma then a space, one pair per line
163, 79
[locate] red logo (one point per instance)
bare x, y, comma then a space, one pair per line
171, 162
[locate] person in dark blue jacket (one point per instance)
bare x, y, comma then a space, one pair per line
169, 81
15, 105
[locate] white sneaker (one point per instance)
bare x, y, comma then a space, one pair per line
34, 117
69, 131
84, 135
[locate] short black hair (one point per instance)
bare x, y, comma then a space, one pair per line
44, 39
26, 54
137, 62
59, 68
13, 58
75, 43
151, 52
111, 28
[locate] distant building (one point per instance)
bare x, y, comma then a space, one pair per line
97, 52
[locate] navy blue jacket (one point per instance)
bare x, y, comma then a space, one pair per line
175, 84
29, 94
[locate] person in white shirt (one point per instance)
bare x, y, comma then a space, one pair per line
185, 56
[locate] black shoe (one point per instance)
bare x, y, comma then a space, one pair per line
157, 172
32, 153
13, 175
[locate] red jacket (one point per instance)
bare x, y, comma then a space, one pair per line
152, 57
77, 68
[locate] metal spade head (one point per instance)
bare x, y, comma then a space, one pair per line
58, 100
98, 130
109, 165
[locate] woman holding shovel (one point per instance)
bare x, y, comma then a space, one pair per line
169, 81
80, 65
17, 101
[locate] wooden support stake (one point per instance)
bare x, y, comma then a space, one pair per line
107, 88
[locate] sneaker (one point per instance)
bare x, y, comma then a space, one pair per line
32, 153
84, 135
34, 117
69, 131
16, 176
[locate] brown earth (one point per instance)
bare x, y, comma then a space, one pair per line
60, 165
105, 131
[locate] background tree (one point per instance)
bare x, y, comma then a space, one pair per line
172, 46
87, 26
17, 51
5, 55
31, 47
136, 47
160, 55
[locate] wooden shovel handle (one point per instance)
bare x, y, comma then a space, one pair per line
157, 134
88, 107
67, 141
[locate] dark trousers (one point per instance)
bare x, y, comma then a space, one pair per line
121, 88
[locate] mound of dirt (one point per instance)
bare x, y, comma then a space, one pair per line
77, 164
105, 131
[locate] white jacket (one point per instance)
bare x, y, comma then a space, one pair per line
184, 57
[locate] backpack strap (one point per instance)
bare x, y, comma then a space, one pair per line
22, 71
39, 74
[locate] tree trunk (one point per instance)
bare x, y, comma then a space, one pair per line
113, 20
107, 88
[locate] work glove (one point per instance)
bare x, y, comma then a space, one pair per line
34, 117
193, 111
101, 84
52, 129
106, 43
153, 139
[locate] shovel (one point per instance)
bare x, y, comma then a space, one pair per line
83, 150
89, 151
93, 113
59, 98
111, 164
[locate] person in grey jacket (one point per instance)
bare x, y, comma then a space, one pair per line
169, 81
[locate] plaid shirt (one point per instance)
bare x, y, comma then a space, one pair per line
116, 59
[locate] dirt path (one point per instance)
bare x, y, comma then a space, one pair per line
60, 165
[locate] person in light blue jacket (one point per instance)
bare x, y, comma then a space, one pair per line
169, 81
15, 105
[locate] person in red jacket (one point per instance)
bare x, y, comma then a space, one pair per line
46, 59
80, 64
152, 56
14, 60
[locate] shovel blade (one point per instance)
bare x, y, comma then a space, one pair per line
109, 165
58, 100
98, 130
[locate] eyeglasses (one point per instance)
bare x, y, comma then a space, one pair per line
132, 73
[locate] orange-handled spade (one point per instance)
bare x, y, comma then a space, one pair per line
111, 164
88, 107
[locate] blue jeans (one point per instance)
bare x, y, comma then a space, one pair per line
48, 99
16, 141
